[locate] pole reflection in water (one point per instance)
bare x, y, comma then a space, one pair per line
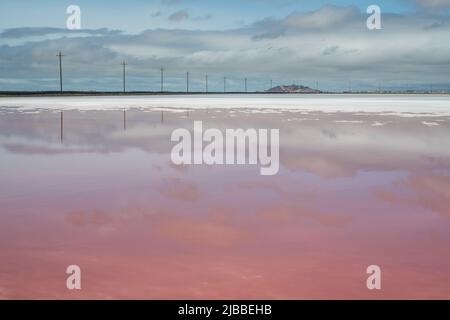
124, 119
61, 121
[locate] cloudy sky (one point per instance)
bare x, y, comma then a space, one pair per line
311, 42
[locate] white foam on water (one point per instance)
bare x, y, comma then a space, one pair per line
430, 124
349, 121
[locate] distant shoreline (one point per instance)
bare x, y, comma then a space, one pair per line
153, 93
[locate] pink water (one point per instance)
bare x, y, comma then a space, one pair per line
353, 190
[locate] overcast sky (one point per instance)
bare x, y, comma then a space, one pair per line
315, 42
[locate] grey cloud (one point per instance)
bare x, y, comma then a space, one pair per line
170, 2
330, 50
435, 25
328, 16
179, 16
203, 18
325, 17
33, 32
271, 29
433, 3
184, 15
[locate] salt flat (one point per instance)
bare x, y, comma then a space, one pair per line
406, 105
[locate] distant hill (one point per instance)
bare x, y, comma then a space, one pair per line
293, 88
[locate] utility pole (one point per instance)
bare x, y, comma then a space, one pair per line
187, 82
60, 55
245, 80
224, 84
162, 80
271, 84
206, 83
124, 64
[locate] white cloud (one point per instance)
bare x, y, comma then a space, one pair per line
330, 44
